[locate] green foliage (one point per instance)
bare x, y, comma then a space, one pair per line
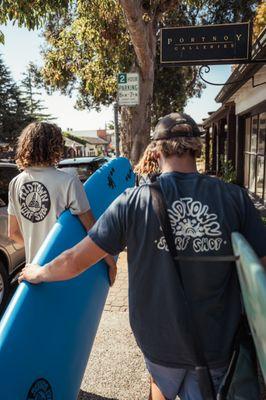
227, 173
87, 49
14, 113
31, 96
260, 19
220, 11
75, 138
264, 220
31, 13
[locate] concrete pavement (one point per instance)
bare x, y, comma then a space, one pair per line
116, 369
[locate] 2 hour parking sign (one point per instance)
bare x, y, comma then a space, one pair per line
128, 89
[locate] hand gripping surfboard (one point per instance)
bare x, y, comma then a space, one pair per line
47, 331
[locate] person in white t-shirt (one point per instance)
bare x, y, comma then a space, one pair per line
40, 193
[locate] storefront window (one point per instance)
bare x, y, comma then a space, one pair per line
265, 186
260, 176
247, 135
254, 131
254, 155
262, 133
252, 174
246, 171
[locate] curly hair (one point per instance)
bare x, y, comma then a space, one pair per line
39, 144
147, 164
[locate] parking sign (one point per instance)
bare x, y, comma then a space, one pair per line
128, 89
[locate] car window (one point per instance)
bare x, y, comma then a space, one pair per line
6, 175
84, 170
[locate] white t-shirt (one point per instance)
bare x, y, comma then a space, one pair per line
37, 197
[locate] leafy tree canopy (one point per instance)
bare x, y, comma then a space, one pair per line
31, 13
260, 19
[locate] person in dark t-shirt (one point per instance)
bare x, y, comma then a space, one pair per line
203, 211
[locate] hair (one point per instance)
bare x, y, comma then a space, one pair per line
179, 146
40, 143
170, 147
147, 164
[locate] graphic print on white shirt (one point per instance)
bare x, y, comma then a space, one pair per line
191, 222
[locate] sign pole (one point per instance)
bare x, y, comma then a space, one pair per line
117, 138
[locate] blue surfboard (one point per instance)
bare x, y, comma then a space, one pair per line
47, 331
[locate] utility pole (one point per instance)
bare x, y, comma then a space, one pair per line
117, 138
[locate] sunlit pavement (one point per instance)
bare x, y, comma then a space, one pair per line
116, 369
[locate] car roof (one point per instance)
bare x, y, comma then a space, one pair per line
81, 160
7, 164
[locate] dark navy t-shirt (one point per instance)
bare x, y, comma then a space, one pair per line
204, 211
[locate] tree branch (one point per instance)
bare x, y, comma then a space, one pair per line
165, 5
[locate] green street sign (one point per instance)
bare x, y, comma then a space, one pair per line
122, 78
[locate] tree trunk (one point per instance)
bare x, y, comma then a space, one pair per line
136, 121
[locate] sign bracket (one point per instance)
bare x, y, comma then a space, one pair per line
207, 70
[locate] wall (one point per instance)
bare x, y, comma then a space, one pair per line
248, 97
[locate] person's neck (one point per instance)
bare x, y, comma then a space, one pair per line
41, 166
185, 164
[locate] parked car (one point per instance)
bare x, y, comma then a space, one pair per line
83, 167
12, 255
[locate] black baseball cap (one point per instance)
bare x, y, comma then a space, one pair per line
176, 125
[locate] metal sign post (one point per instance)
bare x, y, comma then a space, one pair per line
117, 138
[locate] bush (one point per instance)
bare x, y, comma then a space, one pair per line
228, 173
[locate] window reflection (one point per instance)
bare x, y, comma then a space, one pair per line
252, 174
262, 133
254, 155
254, 130
247, 135
246, 171
260, 176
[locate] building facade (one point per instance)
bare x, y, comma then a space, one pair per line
236, 132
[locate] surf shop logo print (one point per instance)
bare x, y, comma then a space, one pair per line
34, 200
191, 222
40, 390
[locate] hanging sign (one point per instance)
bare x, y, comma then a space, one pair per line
210, 44
128, 89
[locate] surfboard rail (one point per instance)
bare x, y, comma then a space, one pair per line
252, 277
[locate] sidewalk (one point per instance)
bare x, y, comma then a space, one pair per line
116, 369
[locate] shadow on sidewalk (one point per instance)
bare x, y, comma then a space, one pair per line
90, 396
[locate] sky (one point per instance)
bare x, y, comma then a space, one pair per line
22, 46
